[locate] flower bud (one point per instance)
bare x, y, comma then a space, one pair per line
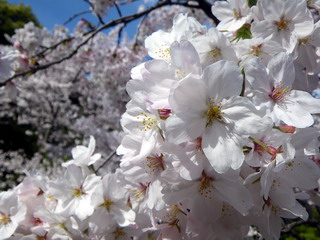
286, 129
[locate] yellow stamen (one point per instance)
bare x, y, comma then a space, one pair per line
256, 50
118, 233
148, 121
205, 186
214, 53
4, 219
279, 92
155, 163
213, 113
164, 52
282, 24
107, 204
77, 192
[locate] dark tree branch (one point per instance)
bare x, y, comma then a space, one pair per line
204, 5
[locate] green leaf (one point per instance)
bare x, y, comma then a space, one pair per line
252, 2
243, 33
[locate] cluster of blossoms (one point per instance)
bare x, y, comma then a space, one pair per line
54, 109
218, 137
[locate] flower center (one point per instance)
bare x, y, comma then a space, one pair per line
140, 192
155, 163
279, 92
256, 50
107, 204
164, 52
118, 233
148, 121
236, 14
260, 147
205, 186
213, 112
282, 24
214, 53
37, 221
303, 40
4, 219
77, 192
179, 74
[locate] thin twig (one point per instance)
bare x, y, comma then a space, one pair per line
105, 162
118, 9
98, 16
75, 16
120, 34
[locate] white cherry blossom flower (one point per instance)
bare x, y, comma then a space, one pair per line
74, 192
285, 22
83, 156
12, 212
272, 89
184, 28
232, 14
211, 108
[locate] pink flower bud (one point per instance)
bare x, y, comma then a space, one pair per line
164, 113
286, 129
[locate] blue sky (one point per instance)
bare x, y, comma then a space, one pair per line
51, 12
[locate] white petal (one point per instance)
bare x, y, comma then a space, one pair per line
222, 148
223, 79
282, 69
245, 116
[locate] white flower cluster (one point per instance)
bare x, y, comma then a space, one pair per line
99, 7
218, 138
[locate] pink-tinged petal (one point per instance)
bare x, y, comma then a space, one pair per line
274, 223
234, 193
267, 179
246, 118
222, 10
83, 210
298, 211
304, 25
123, 214
299, 139
92, 145
189, 96
305, 100
223, 80
185, 57
282, 194
301, 173
293, 114
75, 176
155, 197
257, 76
263, 29
206, 209
158, 45
271, 9
222, 148
185, 127
315, 39
179, 193
282, 69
